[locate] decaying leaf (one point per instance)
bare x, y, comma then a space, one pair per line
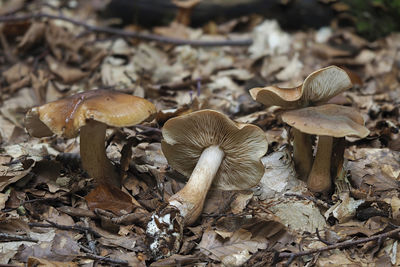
299, 215
110, 198
241, 241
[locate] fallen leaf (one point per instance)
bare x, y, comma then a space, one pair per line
217, 248
301, 216
109, 198
33, 35
36, 262
66, 73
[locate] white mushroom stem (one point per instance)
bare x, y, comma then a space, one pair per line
190, 199
302, 153
93, 154
319, 179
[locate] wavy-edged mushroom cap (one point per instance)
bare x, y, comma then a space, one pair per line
185, 137
66, 116
329, 120
317, 88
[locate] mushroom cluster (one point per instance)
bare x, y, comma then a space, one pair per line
89, 113
326, 121
211, 150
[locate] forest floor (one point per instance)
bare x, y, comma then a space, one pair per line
52, 214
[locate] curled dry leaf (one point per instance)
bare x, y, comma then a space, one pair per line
66, 73
33, 36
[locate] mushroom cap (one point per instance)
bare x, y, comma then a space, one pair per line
317, 88
186, 136
66, 116
330, 120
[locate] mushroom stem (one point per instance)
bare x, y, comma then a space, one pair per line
319, 179
93, 154
302, 153
190, 199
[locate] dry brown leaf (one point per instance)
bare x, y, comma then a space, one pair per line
9, 175
299, 215
33, 36
217, 248
110, 198
16, 73
240, 201
3, 199
59, 248
376, 168
66, 73
36, 262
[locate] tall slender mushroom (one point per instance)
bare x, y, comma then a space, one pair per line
317, 88
326, 121
213, 150
90, 112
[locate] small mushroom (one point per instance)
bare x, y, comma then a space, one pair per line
326, 121
316, 89
185, 9
90, 112
213, 150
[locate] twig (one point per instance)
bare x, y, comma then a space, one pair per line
343, 244
182, 85
104, 259
321, 239
10, 237
313, 199
128, 34
66, 227
138, 217
89, 237
77, 212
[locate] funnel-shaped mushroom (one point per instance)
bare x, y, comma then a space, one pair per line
316, 89
213, 150
90, 112
326, 121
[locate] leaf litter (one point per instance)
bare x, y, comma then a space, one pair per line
51, 205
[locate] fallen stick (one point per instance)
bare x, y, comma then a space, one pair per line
343, 244
104, 259
4, 237
128, 34
77, 228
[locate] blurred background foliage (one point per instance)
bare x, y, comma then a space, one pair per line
373, 18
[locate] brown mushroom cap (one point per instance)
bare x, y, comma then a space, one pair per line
317, 88
186, 136
66, 116
330, 120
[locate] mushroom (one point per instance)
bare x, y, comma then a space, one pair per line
90, 112
185, 9
214, 151
317, 88
326, 121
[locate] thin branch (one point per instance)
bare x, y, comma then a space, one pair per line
321, 239
77, 228
313, 199
9, 237
128, 34
343, 244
